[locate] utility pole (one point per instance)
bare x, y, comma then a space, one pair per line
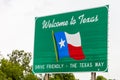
93, 75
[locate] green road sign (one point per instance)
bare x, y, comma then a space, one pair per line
71, 42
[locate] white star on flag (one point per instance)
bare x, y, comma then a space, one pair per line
62, 43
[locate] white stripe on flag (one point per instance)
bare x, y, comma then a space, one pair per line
73, 39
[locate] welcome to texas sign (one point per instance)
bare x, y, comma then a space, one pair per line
71, 42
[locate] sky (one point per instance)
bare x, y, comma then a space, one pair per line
17, 26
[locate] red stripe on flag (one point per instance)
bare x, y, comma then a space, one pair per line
76, 52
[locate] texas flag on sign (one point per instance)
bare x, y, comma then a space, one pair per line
69, 45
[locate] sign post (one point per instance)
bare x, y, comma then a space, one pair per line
71, 42
93, 75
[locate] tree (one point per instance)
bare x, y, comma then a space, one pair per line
21, 57
16, 67
11, 70
62, 76
69, 76
2, 75
30, 76
101, 78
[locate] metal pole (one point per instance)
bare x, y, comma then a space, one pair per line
93, 75
46, 77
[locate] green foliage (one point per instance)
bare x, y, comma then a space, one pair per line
2, 75
69, 76
62, 76
101, 78
30, 77
12, 70
21, 57
16, 67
